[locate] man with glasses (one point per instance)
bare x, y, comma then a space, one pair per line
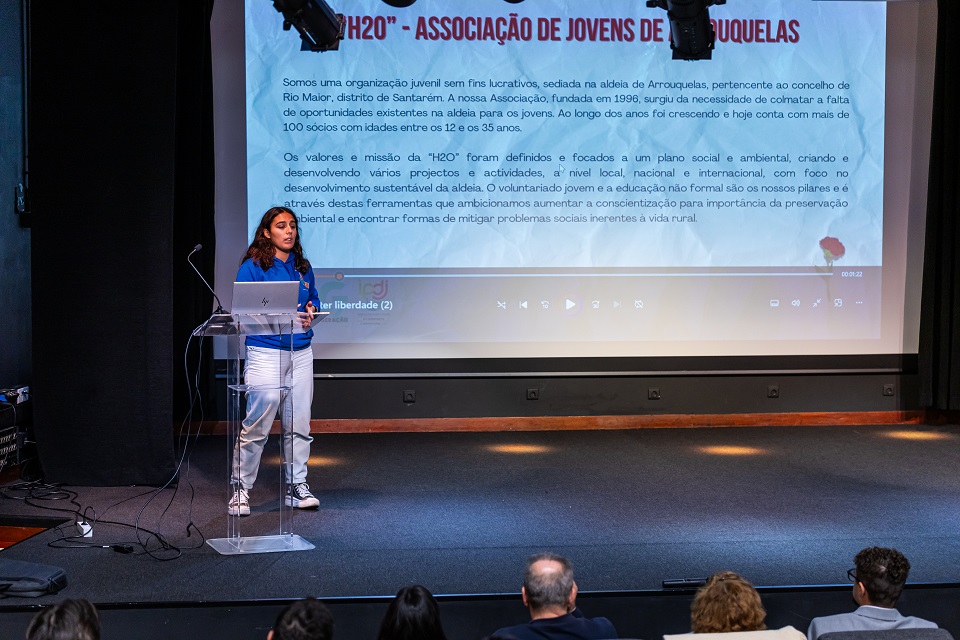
878, 580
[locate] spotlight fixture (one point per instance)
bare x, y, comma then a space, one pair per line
320, 28
691, 33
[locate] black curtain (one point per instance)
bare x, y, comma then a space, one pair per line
194, 201
939, 357
120, 181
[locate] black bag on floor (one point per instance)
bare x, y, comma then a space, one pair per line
29, 580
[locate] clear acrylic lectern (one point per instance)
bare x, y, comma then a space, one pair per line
236, 327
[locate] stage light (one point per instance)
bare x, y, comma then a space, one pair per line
519, 448
320, 28
731, 450
691, 33
314, 461
919, 436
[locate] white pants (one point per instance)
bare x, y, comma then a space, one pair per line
272, 368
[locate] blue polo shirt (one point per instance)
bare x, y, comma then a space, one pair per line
279, 272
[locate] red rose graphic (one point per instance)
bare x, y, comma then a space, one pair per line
832, 249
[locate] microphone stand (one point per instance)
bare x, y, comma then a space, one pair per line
219, 310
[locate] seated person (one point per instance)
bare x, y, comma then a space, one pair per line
307, 619
413, 615
69, 620
730, 605
878, 581
550, 594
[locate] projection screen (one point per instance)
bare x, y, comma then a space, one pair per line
541, 180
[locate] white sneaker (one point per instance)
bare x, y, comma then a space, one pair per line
239, 504
299, 496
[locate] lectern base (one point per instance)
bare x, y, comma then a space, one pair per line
259, 544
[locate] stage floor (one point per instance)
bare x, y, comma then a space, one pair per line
460, 512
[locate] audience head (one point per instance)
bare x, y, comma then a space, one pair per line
413, 615
880, 576
69, 620
307, 619
548, 584
727, 603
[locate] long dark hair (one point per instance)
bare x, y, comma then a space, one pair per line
413, 615
261, 250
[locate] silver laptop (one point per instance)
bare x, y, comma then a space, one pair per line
265, 297
263, 307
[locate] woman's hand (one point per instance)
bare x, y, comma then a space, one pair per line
307, 316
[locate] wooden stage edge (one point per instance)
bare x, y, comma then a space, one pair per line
573, 423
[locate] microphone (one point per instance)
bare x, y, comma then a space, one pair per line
190, 262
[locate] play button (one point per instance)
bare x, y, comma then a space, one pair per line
570, 304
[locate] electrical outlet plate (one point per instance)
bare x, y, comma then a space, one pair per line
773, 391
533, 393
21, 198
409, 396
653, 393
